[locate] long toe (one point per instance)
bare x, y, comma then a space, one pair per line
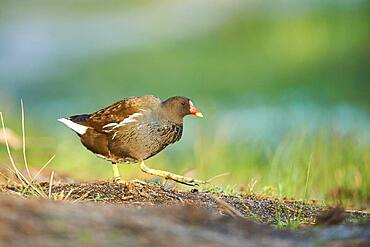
171, 176
138, 181
188, 181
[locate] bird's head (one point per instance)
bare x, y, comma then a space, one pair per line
178, 107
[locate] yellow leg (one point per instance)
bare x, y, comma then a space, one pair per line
116, 175
168, 175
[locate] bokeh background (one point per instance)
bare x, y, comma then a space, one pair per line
284, 87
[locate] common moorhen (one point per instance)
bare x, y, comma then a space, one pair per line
133, 130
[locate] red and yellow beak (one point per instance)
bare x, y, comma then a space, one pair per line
194, 111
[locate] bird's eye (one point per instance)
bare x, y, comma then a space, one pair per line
183, 103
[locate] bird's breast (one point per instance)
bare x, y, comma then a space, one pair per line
142, 140
155, 137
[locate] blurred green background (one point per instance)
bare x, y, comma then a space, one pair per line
284, 87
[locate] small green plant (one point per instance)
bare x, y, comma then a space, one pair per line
287, 217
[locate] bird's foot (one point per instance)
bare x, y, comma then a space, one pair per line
168, 175
118, 180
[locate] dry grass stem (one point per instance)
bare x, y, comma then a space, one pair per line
51, 183
217, 176
230, 210
24, 142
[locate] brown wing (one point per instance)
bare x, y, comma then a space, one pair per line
119, 111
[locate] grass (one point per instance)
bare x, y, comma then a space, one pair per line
324, 166
26, 183
287, 216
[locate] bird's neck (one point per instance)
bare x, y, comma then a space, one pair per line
170, 114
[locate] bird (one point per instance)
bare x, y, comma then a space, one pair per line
133, 130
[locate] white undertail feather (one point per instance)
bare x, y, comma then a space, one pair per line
80, 129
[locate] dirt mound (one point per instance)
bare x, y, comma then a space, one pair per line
31, 222
257, 208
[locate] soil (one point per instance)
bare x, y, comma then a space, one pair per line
135, 214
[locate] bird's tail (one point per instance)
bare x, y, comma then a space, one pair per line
76, 123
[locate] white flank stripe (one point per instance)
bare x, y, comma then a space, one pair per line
130, 119
109, 125
126, 121
80, 129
